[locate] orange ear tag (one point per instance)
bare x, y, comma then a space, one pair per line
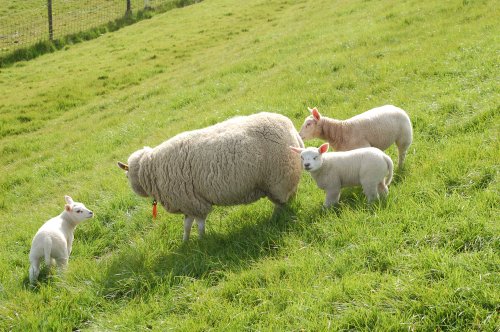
155, 212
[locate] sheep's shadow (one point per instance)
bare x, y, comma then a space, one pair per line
132, 273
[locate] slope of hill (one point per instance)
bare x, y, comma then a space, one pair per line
425, 259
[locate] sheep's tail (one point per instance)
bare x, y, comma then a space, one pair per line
390, 166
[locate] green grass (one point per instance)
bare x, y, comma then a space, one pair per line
24, 31
426, 259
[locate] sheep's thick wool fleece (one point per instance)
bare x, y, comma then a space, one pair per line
234, 162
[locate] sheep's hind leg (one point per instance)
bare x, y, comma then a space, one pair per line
382, 189
402, 149
34, 270
62, 262
201, 227
370, 192
188, 223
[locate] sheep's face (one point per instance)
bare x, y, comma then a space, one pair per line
312, 158
132, 171
77, 211
310, 128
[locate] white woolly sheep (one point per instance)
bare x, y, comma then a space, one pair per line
367, 167
54, 240
379, 127
234, 162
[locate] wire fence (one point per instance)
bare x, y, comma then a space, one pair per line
53, 19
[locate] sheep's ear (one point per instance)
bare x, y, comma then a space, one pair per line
297, 150
315, 114
323, 148
123, 166
68, 199
68, 208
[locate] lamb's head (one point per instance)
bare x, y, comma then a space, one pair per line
76, 211
312, 158
132, 170
310, 128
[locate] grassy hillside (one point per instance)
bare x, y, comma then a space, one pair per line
425, 259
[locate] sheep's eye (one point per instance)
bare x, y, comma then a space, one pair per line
301, 157
315, 158
79, 211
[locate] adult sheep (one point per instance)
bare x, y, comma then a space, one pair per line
234, 162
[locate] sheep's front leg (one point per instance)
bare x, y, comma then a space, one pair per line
201, 227
332, 197
188, 223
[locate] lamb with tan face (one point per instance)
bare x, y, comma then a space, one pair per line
379, 127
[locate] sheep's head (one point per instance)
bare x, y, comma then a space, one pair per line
310, 128
132, 171
76, 211
311, 157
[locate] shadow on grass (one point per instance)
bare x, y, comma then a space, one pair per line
134, 274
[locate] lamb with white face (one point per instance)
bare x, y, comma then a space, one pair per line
54, 240
332, 171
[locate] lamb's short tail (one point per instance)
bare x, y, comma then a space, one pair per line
390, 166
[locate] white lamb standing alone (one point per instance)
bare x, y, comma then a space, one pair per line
332, 171
379, 127
233, 162
54, 240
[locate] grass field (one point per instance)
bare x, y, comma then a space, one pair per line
426, 259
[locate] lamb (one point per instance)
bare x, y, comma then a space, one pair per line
379, 127
54, 240
234, 162
333, 170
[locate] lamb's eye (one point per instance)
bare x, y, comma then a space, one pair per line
79, 211
301, 157
315, 158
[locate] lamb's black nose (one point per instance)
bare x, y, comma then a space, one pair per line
307, 165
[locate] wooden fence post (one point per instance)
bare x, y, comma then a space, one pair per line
51, 29
129, 9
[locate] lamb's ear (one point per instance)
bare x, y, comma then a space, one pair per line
123, 166
323, 148
315, 114
68, 199
297, 150
68, 208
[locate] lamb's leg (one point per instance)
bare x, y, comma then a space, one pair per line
382, 189
62, 262
34, 269
201, 227
370, 191
332, 197
188, 223
47, 249
403, 146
